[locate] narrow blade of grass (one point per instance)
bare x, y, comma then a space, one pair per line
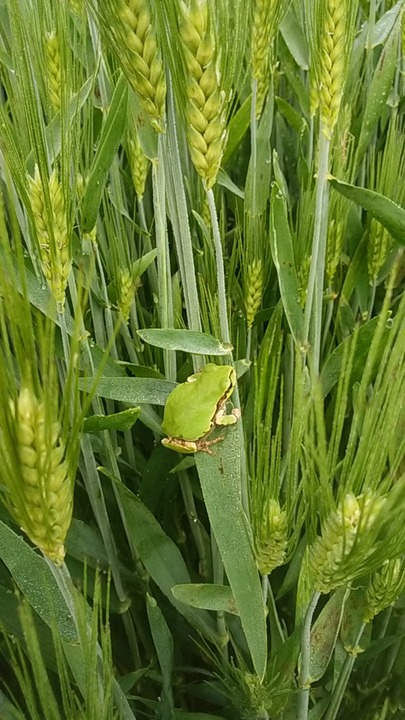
189, 341
110, 140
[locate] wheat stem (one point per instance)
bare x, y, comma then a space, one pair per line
314, 299
179, 218
344, 677
163, 259
223, 308
304, 680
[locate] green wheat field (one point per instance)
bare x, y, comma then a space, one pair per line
202, 359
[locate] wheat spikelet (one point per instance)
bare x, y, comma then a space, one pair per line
340, 531
384, 588
254, 290
334, 248
332, 61
377, 249
126, 292
140, 57
138, 164
206, 106
53, 70
271, 538
256, 694
313, 94
41, 501
76, 6
52, 233
267, 15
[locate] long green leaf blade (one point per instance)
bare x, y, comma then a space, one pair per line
219, 475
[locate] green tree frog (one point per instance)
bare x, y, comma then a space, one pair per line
194, 408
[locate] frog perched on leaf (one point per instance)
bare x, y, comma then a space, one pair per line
194, 408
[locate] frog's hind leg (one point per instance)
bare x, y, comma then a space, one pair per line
205, 445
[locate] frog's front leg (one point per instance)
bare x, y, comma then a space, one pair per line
221, 418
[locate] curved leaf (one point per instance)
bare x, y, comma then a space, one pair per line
295, 39
237, 128
378, 91
331, 370
190, 341
208, 597
163, 642
324, 634
34, 578
135, 391
162, 558
384, 25
386, 211
117, 421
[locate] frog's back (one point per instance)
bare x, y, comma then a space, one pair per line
190, 408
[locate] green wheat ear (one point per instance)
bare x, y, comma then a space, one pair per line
49, 214
254, 290
138, 163
40, 499
331, 25
271, 538
267, 15
332, 58
129, 24
53, 68
384, 588
206, 102
341, 531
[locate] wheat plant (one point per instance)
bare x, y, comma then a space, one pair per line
183, 184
